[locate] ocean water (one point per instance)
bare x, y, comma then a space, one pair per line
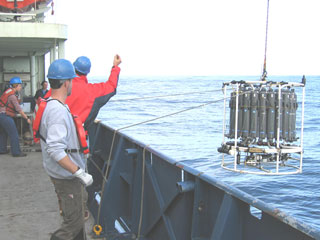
193, 136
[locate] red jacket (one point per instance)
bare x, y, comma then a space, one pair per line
86, 99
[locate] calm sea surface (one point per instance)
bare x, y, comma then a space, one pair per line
194, 136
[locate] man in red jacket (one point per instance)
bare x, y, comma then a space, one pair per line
86, 98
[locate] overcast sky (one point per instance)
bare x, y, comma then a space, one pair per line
184, 37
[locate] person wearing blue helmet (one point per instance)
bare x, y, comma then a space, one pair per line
86, 98
9, 107
62, 158
82, 65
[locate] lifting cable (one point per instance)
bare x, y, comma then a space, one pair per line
105, 174
161, 96
264, 73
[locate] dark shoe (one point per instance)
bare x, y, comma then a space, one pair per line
20, 155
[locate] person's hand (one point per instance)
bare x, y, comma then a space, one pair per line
84, 177
116, 60
29, 121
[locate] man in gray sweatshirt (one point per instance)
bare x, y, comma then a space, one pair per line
62, 158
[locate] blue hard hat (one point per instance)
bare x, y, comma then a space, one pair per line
15, 80
61, 69
82, 65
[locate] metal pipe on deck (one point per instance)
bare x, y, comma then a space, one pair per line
53, 51
61, 49
33, 74
52, 54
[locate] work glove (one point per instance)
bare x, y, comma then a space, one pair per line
84, 177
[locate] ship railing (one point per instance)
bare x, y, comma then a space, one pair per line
147, 195
32, 16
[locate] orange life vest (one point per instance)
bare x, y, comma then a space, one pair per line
77, 121
10, 110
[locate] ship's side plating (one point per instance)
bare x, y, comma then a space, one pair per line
146, 195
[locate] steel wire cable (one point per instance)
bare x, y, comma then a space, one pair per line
161, 96
264, 73
105, 175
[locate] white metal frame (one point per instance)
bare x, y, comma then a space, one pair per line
293, 169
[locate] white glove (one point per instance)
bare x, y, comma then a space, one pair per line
84, 177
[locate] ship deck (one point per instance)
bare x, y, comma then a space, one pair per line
28, 203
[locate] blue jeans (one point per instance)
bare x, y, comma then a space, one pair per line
8, 128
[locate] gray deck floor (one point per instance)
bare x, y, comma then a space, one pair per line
28, 203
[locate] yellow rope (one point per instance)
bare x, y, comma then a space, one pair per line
142, 189
105, 176
97, 167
